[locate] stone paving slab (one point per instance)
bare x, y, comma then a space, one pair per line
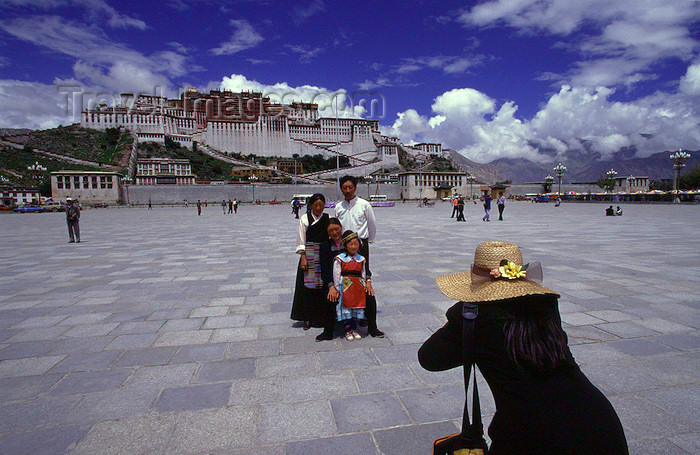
164, 332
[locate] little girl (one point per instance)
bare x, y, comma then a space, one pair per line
349, 279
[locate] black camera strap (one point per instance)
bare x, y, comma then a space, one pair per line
473, 430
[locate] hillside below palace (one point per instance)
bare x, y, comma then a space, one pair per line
248, 122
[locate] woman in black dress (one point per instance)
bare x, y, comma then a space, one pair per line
330, 248
309, 294
544, 403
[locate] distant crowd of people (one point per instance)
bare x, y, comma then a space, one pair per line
458, 207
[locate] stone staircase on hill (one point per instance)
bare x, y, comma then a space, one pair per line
220, 156
328, 150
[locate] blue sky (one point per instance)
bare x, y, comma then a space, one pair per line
491, 79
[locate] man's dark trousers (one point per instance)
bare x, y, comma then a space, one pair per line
371, 305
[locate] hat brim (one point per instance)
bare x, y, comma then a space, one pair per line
460, 286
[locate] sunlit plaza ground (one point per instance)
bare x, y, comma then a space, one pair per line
166, 332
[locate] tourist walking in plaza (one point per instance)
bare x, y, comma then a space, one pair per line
544, 403
199, 207
230, 206
501, 202
328, 250
235, 206
73, 220
356, 215
460, 209
487, 207
455, 204
309, 296
223, 206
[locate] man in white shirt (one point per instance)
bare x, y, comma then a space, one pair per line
501, 201
356, 214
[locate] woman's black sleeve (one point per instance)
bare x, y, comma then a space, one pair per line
443, 350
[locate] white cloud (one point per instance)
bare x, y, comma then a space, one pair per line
114, 18
282, 92
121, 77
32, 105
89, 44
95, 9
464, 104
573, 119
619, 42
302, 14
244, 37
690, 83
371, 85
305, 53
449, 64
99, 61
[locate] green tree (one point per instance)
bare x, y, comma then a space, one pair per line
170, 144
112, 136
606, 183
690, 180
660, 185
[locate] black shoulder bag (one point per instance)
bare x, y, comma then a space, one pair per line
471, 440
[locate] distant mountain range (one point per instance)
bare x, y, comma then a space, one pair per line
580, 167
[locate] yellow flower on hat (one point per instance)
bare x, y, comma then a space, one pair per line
511, 270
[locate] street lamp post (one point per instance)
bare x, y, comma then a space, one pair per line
560, 169
548, 184
295, 156
252, 179
611, 181
337, 151
420, 185
679, 159
630, 180
470, 179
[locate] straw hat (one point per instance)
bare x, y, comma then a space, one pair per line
481, 285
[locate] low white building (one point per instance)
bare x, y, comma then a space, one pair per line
164, 171
631, 184
433, 185
19, 195
430, 148
86, 186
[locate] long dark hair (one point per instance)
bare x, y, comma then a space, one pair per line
535, 341
315, 197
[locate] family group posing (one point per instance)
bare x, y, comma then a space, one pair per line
333, 281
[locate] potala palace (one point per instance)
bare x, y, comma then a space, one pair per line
248, 122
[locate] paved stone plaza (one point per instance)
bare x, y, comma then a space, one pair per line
165, 332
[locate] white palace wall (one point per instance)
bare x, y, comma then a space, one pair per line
268, 136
